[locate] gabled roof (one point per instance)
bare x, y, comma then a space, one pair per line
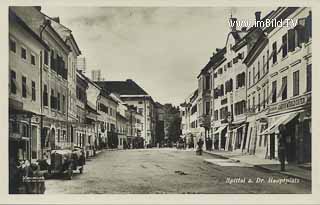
14, 17
64, 32
35, 20
259, 45
214, 60
128, 87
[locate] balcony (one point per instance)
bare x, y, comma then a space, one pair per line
204, 121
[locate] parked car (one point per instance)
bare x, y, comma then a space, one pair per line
64, 162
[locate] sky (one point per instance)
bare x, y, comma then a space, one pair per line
163, 49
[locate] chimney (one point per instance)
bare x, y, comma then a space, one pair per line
56, 19
244, 29
258, 15
233, 23
38, 8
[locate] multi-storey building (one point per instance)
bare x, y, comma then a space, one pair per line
25, 49
93, 120
134, 126
53, 78
121, 122
132, 94
160, 118
81, 128
290, 84
190, 127
107, 108
66, 35
229, 89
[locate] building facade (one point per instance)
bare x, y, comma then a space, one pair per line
25, 48
132, 94
290, 78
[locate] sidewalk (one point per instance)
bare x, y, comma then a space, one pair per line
292, 170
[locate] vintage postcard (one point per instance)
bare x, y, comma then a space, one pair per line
153, 102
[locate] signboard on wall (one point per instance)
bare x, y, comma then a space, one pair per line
290, 104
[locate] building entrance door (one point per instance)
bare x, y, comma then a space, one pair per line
272, 146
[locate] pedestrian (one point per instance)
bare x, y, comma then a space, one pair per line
200, 145
282, 146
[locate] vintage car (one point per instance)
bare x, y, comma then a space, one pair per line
63, 162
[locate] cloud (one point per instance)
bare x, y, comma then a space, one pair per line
163, 48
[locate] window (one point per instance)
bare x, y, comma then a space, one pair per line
254, 103
221, 90
140, 102
296, 83
13, 86
12, 45
207, 108
33, 90
223, 113
274, 91
52, 100
241, 80
259, 102
216, 115
33, 59
274, 52
46, 57
229, 86
253, 74
24, 86
63, 103
263, 65
45, 95
207, 82
235, 60
193, 109
284, 88
58, 101
58, 135
309, 77
292, 39
23, 53
268, 95
264, 99
268, 60
284, 45
140, 110
249, 80
240, 107
260, 140
258, 74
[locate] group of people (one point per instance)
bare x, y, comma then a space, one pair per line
20, 173
282, 145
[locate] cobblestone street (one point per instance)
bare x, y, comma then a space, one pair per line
153, 171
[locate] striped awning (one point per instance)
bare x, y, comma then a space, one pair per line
282, 120
220, 129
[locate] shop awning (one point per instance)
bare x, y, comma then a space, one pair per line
219, 129
283, 120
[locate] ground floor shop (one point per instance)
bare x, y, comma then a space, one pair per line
219, 137
263, 132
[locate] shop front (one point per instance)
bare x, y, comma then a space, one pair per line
295, 115
220, 134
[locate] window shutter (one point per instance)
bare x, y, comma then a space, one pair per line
308, 28
291, 39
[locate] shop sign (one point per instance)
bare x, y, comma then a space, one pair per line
289, 104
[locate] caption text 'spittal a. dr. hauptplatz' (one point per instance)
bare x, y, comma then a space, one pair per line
261, 180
